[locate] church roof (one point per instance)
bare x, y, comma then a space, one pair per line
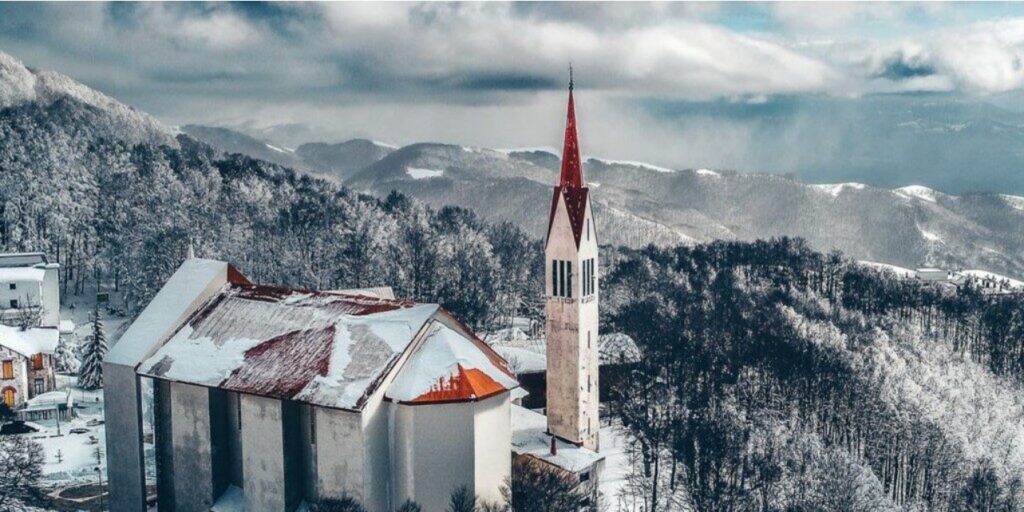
30, 341
572, 172
571, 186
324, 348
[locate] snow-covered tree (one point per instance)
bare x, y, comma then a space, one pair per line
90, 373
64, 356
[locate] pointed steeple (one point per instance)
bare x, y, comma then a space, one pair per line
572, 172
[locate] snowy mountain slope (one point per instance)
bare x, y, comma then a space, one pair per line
911, 226
21, 85
336, 162
231, 141
340, 161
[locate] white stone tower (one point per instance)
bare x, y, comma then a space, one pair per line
572, 296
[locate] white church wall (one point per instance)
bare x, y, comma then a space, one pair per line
492, 434
263, 453
339, 457
434, 452
191, 447
50, 300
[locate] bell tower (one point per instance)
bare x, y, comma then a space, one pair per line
571, 287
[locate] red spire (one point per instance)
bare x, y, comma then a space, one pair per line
572, 172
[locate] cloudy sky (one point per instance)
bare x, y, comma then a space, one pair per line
809, 89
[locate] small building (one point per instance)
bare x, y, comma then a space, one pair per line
30, 326
26, 363
28, 283
266, 397
932, 275
532, 442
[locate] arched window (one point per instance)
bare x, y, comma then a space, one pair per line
9, 396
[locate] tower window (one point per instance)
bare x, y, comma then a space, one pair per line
588, 229
561, 278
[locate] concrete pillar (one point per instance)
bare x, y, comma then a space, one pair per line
263, 453
123, 417
339, 453
192, 449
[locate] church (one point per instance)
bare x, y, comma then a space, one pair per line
267, 398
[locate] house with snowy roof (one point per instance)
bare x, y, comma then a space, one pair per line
266, 397
30, 326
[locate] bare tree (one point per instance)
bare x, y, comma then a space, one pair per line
21, 467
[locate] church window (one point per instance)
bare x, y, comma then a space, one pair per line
568, 279
8, 369
588, 229
593, 276
561, 278
554, 277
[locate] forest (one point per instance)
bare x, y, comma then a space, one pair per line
773, 377
770, 376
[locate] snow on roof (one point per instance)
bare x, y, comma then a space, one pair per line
189, 287
50, 400
324, 348
66, 326
29, 342
448, 366
21, 274
21, 259
380, 292
530, 437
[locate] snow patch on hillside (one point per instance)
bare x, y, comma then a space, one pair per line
917, 192
929, 236
533, 149
899, 271
1015, 202
707, 172
835, 189
279, 150
631, 163
420, 174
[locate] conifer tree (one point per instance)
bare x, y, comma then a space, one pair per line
90, 374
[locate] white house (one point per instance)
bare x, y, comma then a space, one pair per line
267, 397
27, 280
29, 286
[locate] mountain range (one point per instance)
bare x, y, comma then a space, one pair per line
640, 203
637, 203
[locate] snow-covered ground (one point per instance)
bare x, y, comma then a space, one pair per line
71, 457
616, 450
